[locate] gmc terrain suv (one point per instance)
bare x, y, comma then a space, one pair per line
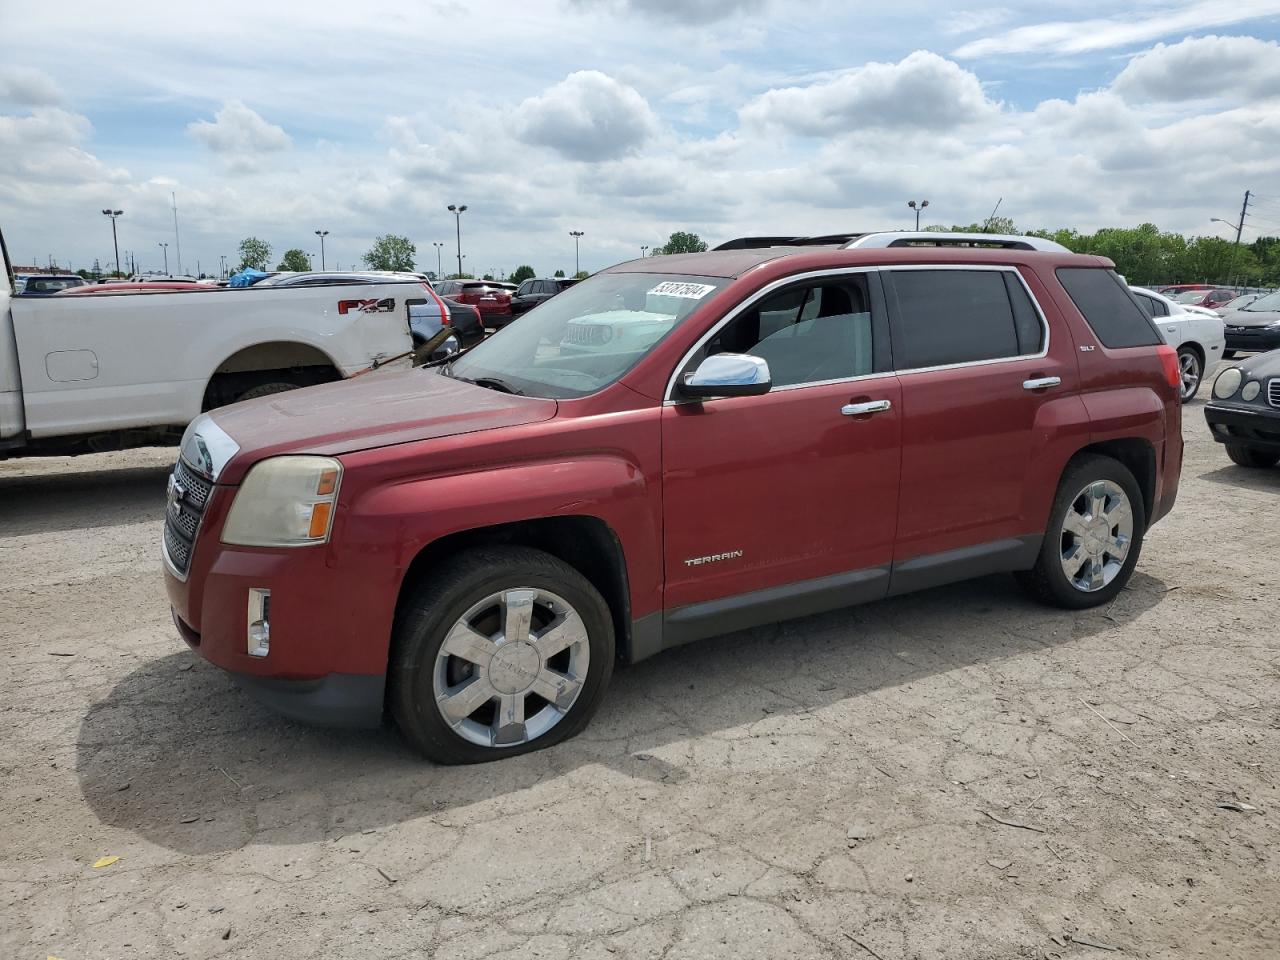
674, 448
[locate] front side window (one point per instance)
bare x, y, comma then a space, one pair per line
809, 333
587, 337
962, 316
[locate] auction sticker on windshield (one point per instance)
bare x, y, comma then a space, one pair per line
689, 291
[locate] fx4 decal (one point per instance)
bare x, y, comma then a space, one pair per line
386, 305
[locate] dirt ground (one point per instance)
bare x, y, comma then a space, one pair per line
956, 774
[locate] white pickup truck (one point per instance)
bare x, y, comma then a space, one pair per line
87, 373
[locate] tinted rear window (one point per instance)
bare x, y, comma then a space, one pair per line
954, 316
1108, 307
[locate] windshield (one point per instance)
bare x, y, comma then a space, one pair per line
1270, 302
587, 337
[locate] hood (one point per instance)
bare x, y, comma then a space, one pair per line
374, 410
1252, 318
1261, 366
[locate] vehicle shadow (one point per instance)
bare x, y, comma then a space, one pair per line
1249, 478
52, 502
177, 754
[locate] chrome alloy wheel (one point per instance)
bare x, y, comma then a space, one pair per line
511, 667
1189, 368
1097, 533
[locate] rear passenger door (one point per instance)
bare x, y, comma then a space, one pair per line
980, 374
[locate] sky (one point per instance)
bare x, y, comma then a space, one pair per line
623, 119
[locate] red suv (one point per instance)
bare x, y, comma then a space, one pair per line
676, 447
492, 300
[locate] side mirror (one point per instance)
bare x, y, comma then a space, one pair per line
727, 375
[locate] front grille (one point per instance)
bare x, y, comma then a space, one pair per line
1273, 391
188, 496
587, 334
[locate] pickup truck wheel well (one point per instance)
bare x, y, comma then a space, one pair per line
280, 361
587, 544
1139, 456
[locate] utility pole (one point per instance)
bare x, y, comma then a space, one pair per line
1235, 252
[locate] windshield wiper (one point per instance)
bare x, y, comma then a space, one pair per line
493, 383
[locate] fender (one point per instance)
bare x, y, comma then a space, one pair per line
384, 528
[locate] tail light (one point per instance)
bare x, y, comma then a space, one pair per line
1169, 360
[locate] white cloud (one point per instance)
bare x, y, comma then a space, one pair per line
26, 87
1242, 68
1103, 33
695, 12
240, 135
587, 116
922, 90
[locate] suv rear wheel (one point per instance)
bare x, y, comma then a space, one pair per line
507, 652
1252, 456
1094, 536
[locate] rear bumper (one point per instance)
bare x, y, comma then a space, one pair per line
1252, 338
1258, 428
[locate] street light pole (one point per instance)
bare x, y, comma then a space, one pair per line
165, 248
918, 209
576, 234
457, 212
114, 242
439, 262
644, 251
322, 234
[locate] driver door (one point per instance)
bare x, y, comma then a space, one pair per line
786, 503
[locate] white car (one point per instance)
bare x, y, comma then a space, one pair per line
1197, 333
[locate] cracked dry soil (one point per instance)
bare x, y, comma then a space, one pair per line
822, 788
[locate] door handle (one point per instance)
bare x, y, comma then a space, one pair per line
1041, 383
871, 406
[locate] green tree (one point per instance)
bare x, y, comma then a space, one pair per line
522, 273
558, 273
582, 275
254, 253
683, 242
294, 260
390, 252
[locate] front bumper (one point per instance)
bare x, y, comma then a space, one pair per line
1253, 426
330, 621
1252, 338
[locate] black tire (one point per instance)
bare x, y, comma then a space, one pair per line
267, 389
440, 600
1252, 456
1190, 362
1046, 581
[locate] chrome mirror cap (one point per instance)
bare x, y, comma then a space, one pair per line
727, 375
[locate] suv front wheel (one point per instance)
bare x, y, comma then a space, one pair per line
507, 652
1094, 536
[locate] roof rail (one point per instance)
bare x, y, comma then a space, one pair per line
881, 239
1001, 241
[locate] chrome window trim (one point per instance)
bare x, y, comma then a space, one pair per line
669, 398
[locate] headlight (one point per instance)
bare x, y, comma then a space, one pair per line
284, 502
1227, 384
1251, 390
